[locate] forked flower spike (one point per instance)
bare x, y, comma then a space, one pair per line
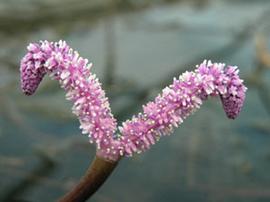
176, 102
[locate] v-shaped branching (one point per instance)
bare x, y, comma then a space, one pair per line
176, 102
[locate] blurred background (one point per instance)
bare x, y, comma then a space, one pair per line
137, 47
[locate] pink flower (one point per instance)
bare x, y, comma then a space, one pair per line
182, 98
176, 102
83, 88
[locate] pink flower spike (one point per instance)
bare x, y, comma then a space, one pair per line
182, 98
83, 88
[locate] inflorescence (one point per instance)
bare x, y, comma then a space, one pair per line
176, 102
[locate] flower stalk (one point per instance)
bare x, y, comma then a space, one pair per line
94, 177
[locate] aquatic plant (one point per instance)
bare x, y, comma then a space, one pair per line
176, 102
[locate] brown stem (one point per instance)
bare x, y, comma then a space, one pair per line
95, 176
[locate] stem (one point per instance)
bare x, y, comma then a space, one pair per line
95, 176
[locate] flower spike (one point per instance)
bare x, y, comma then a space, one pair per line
182, 98
83, 88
